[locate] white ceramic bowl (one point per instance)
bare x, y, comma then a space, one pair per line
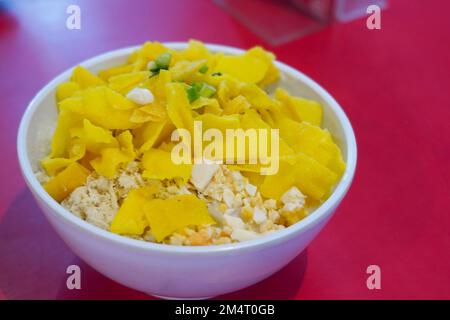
176, 271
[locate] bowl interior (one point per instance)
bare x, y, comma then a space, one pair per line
43, 121
39, 122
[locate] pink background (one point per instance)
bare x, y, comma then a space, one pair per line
392, 83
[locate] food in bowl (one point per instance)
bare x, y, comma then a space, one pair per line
112, 154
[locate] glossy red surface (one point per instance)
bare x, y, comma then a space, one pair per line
393, 84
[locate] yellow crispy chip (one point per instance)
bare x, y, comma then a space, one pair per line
158, 164
227, 88
96, 108
54, 165
118, 101
110, 159
236, 105
107, 164
125, 140
85, 78
312, 178
167, 216
257, 97
318, 144
252, 119
184, 70
272, 73
289, 129
66, 90
244, 67
72, 103
139, 65
139, 116
299, 109
147, 135
95, 138
196, 50
157, 85
114, 71
62, 185
255, 178
151, 50
178, 107
156, 110
125, 82
167, 146
61, 137
77, 149
210, 105
130, 219
212, 121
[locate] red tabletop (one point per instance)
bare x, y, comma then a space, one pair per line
393, 84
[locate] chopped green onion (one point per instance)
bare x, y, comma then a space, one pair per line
216, 74
163, 60
197, 86
207, 91
152, 66
192, 94
199, 89
203, 69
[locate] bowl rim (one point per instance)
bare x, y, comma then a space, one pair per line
322, 212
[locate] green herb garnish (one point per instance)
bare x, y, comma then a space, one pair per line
216, 74
153, 67
203, 69
199, 89
207, 90
192, 94
162, 62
